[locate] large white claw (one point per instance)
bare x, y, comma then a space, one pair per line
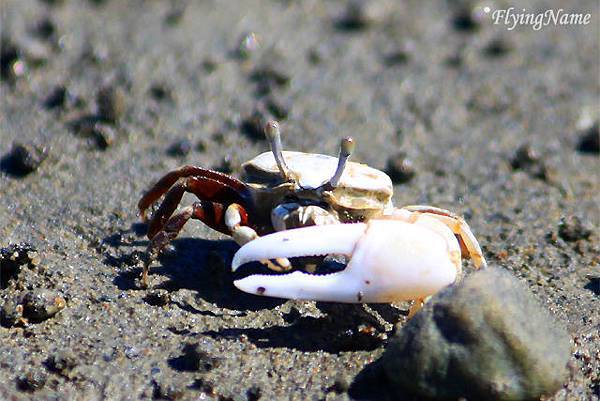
308, 241
390, 261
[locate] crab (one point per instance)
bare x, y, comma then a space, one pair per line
293, 204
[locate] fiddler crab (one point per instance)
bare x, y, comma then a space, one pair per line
295, 204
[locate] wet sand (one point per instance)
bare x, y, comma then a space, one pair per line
115, 94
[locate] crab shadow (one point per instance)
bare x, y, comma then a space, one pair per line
341, 328
194, 264
373, 384
202, 266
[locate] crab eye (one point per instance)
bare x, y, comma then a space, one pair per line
273, 134
346, 149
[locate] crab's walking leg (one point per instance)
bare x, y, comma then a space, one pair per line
416, 306
212, 214
458, 226
167, 181
205, 189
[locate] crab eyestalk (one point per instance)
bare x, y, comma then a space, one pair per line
346, 149
274, 136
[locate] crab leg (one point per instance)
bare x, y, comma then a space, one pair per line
167, 181
391, 260
458, 226
206, 189
207, 212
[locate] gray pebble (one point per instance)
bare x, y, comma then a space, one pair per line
483, 339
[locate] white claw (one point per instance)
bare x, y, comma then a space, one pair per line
297, 285
391, 261
308, 241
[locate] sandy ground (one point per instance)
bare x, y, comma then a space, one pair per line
457, 94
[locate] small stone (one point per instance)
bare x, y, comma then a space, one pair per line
248, 45
201, 146
32, 380
210, 65
496, 48
278, 108
225, 166
400, 168
193, 359
396, 57
253, 125
593, 283
589, 141
42, 304
44, 28
254, 393
161, 93
571, 229
527, 159
111, 102
11, 313
103, 135
56, 99
359, 15
270, 76
9, 56
159, 297
165, 389
180, 148
23, 159
131, 352
466, 20
61, 362
53, 2
314, 56
485, 338
13, 257
175, 14
340, 385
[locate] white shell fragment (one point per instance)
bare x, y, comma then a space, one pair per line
391, 260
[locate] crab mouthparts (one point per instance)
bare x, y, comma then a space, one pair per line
308, 241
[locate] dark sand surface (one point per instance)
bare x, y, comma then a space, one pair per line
459, 96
